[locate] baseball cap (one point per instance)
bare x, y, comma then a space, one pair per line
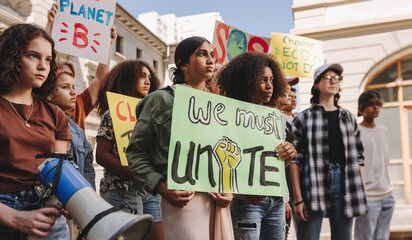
292, 80
325, 67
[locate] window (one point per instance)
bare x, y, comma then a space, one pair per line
119, 44
138, 53
394, 84
406, 66
395, 78
388, 75
155, 65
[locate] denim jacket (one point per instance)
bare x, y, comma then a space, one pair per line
148, 148
82, 152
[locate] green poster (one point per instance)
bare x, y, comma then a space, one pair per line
219, 144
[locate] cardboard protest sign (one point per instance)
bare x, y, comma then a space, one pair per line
229, 42
298, 56
82, 28
219, 144
122, 110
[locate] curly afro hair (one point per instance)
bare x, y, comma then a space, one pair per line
241, 77
13, 43
122, 79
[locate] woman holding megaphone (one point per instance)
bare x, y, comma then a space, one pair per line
28, 126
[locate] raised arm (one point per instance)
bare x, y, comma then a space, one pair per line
102, 69
50, 18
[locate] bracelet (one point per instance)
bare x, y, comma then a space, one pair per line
299, 203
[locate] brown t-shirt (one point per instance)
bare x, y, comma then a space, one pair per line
83, 107
20, 144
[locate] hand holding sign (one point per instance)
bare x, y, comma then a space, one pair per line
286, 152
175, 197
227, 153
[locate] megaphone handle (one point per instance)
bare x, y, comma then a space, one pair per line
51, 201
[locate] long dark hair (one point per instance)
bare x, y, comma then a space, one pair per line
182, 54
316, 93
240, 78
122, 79
13, 43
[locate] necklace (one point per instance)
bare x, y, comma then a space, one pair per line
25, 121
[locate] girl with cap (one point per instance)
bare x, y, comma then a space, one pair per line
256, 78
326, 172
185, 214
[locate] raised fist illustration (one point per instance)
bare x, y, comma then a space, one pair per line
228, 156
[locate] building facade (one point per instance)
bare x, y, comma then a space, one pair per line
172, 29
372, 39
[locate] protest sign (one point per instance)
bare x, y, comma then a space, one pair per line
298, 56
82, 28
122, 110
219, 144
229, 42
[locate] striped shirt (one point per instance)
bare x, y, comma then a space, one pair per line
310, 138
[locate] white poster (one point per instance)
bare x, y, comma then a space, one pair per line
82, 28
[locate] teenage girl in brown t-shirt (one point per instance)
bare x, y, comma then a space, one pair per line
28, 126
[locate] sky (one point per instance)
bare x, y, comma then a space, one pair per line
256, 17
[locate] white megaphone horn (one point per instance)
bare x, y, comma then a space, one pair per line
96, 218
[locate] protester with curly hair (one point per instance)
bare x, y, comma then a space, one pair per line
28, 126
256, 78
133, 78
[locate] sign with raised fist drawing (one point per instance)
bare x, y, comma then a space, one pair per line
219, 144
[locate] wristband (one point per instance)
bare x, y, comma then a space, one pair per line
299, 203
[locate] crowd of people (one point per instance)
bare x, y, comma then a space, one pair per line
334, 167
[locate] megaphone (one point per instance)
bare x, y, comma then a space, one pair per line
96, 218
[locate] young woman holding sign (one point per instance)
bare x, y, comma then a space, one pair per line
256, 78
185, 214
133, 78
28, 126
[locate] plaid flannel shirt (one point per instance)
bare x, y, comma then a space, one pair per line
310, 138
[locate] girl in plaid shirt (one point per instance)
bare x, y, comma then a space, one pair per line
326, 172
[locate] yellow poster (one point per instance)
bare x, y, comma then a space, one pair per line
122, 109
298, 56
